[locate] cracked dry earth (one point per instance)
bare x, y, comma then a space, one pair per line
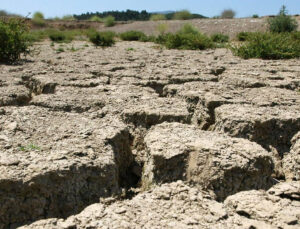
149, 138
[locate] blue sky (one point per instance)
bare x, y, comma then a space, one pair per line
244, 8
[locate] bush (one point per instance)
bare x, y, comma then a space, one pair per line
58, 36
13, 40
188, 29
186, 38
255, 16
133, 36
269, 46
104, 39
282, 22
96, 18
182, 15
229, 13
188, 41
38, 19
158, 17
109, 21
219, 38
244, 36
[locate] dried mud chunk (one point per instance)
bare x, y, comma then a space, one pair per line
54, 164
86, 99
155, 111
271, 127
173, 205
14, 95
215, 161
276, 207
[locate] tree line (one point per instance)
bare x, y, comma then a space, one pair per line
128, 15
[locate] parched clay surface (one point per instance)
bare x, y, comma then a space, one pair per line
137, 136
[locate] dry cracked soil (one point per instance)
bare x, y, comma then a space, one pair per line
137, 136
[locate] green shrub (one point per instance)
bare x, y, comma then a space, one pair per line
188, 37
269, 46
188, 41
255, 16
162, 38
133, 36
109, 21
228, 13
220, 38
182, 15
244, 36
96, 18
103, 39
282, 22
13, 40
38, 19
58, 36
188, 29
157, 17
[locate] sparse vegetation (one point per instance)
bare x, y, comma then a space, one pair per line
244, 36
103, 39
182, 15
13, 40
58, 36
38, 19
187, 38
158, 17
228, 13
282, 22
109, 21
269, 46
133, 36
60, 50
220, 38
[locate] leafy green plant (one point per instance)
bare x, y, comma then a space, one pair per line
269, 46
255, 16
109, 21
157, 17
38, 19
220, 38
282, 22
60, 50
182, 15
104, 39
30, 147
228, 13
13, 40
130, 49
132, 36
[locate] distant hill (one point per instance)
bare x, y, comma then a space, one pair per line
129, 15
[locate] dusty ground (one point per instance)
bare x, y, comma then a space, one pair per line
209, 26
136, 136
